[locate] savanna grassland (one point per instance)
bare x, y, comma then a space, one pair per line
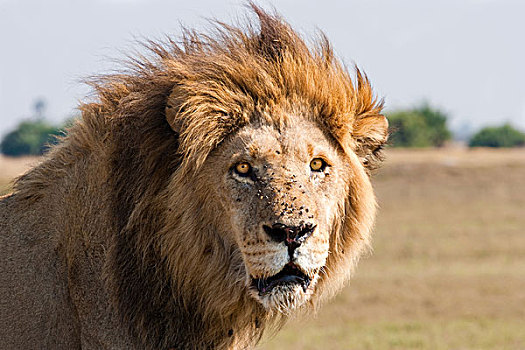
13, 167
448, 268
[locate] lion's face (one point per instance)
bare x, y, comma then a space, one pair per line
281, 192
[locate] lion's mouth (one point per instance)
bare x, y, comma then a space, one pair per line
289, 275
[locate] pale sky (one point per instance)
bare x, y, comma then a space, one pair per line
466, 57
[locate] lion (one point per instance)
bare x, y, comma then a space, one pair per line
208, 193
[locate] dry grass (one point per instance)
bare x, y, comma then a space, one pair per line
448, 271
13, 167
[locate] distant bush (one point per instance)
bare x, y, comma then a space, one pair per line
30, 138
502, 136
422, 126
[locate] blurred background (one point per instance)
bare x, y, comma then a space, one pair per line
448, 268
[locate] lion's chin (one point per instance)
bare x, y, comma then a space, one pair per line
285, 291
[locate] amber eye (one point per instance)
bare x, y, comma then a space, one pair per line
243, 169
317, 164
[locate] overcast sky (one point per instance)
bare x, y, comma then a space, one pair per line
464, 56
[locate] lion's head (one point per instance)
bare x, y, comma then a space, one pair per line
240, 169
282, 191
278, 140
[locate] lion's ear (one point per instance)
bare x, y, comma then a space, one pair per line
174, 107
370, 134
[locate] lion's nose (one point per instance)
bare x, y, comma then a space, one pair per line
292, 236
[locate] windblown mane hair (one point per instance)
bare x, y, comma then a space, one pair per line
221, 79
155, 125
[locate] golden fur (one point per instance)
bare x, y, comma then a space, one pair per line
131, 220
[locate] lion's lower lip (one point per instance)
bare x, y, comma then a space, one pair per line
289, 275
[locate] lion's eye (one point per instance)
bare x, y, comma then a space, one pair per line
317, 164
243, 169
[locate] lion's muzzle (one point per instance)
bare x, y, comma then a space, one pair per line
292, 236
292, 280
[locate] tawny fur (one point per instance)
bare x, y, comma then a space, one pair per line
114, 240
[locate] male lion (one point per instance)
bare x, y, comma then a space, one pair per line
210, 192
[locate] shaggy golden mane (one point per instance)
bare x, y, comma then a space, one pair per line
226, 80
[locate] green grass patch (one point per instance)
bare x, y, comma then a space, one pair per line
465, 333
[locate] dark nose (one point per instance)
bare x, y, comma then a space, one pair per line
292, 236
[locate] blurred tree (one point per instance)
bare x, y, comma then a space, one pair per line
40, 109
502, 136
30, 138
422, 126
